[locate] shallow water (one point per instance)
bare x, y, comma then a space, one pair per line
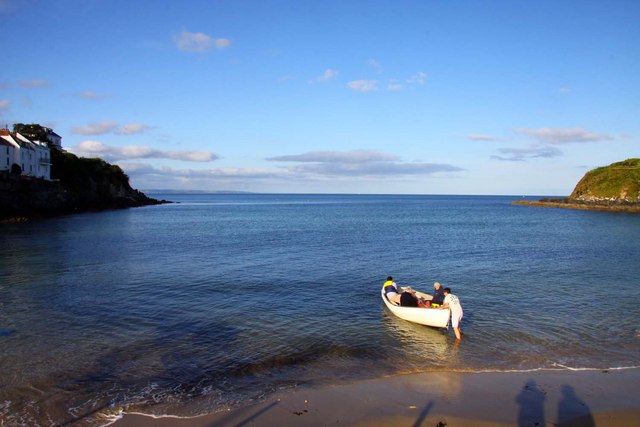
194, 307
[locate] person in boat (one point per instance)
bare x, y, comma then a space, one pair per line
408, 299
438, 295
453, 303
391, 290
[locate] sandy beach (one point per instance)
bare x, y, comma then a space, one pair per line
536, 398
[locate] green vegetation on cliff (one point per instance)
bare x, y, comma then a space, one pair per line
618, 182
84, 175
611, 188
77, 185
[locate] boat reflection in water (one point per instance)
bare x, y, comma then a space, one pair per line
422, 348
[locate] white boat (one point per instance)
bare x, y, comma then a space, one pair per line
435, 317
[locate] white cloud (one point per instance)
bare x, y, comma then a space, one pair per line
363, 85
110, 153
355, 156
217, 178
371, 169
96, 128
393, 85
375, 65
90, 95
199, 42
523, 154
4, 105
329, 74
564, 90
108, 126
563, 135
133, 128
357, 163
34, 83
480, 137
287, 78
418, 78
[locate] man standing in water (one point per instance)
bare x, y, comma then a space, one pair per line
453, 303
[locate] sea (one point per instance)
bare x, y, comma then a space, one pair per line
221, 300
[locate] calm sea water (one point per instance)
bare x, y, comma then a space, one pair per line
219, 300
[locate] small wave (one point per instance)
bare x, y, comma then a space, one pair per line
555, 368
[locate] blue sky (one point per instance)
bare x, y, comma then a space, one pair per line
401, 97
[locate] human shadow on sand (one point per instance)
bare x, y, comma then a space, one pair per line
423, 414
573, 412
531, 401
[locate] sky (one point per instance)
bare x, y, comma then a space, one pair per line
334, 96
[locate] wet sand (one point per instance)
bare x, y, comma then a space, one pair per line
538, 398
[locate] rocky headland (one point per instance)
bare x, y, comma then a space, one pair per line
609, 188
77, 185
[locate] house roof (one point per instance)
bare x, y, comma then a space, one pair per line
9, 139
51, 132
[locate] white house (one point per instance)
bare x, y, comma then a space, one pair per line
54, 138
36, 157
9, 151
33, 157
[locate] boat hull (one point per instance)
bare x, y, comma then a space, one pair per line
434, 317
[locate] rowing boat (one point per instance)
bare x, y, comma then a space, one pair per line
434, 317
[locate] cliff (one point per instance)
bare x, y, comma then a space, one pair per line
78, 185
614, 188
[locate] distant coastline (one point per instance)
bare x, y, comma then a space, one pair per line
156, 191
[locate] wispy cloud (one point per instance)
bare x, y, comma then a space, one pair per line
523, 154
287, 78
228, 173
376, 66
419, 78
480, 137
308, 169
4, 105
365, 163
96, 128
564, 90
90, 95
563, 135
355, 156
133, 128
35, 83
108, 126
394, 85
329, 74
363, 85
199, 42
111, 153
371, 169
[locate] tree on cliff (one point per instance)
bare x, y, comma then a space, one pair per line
78, 184
33, 131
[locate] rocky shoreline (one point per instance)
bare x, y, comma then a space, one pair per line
26, 198
568, 203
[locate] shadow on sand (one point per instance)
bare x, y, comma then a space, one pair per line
572, 412
423, 414
531, 401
